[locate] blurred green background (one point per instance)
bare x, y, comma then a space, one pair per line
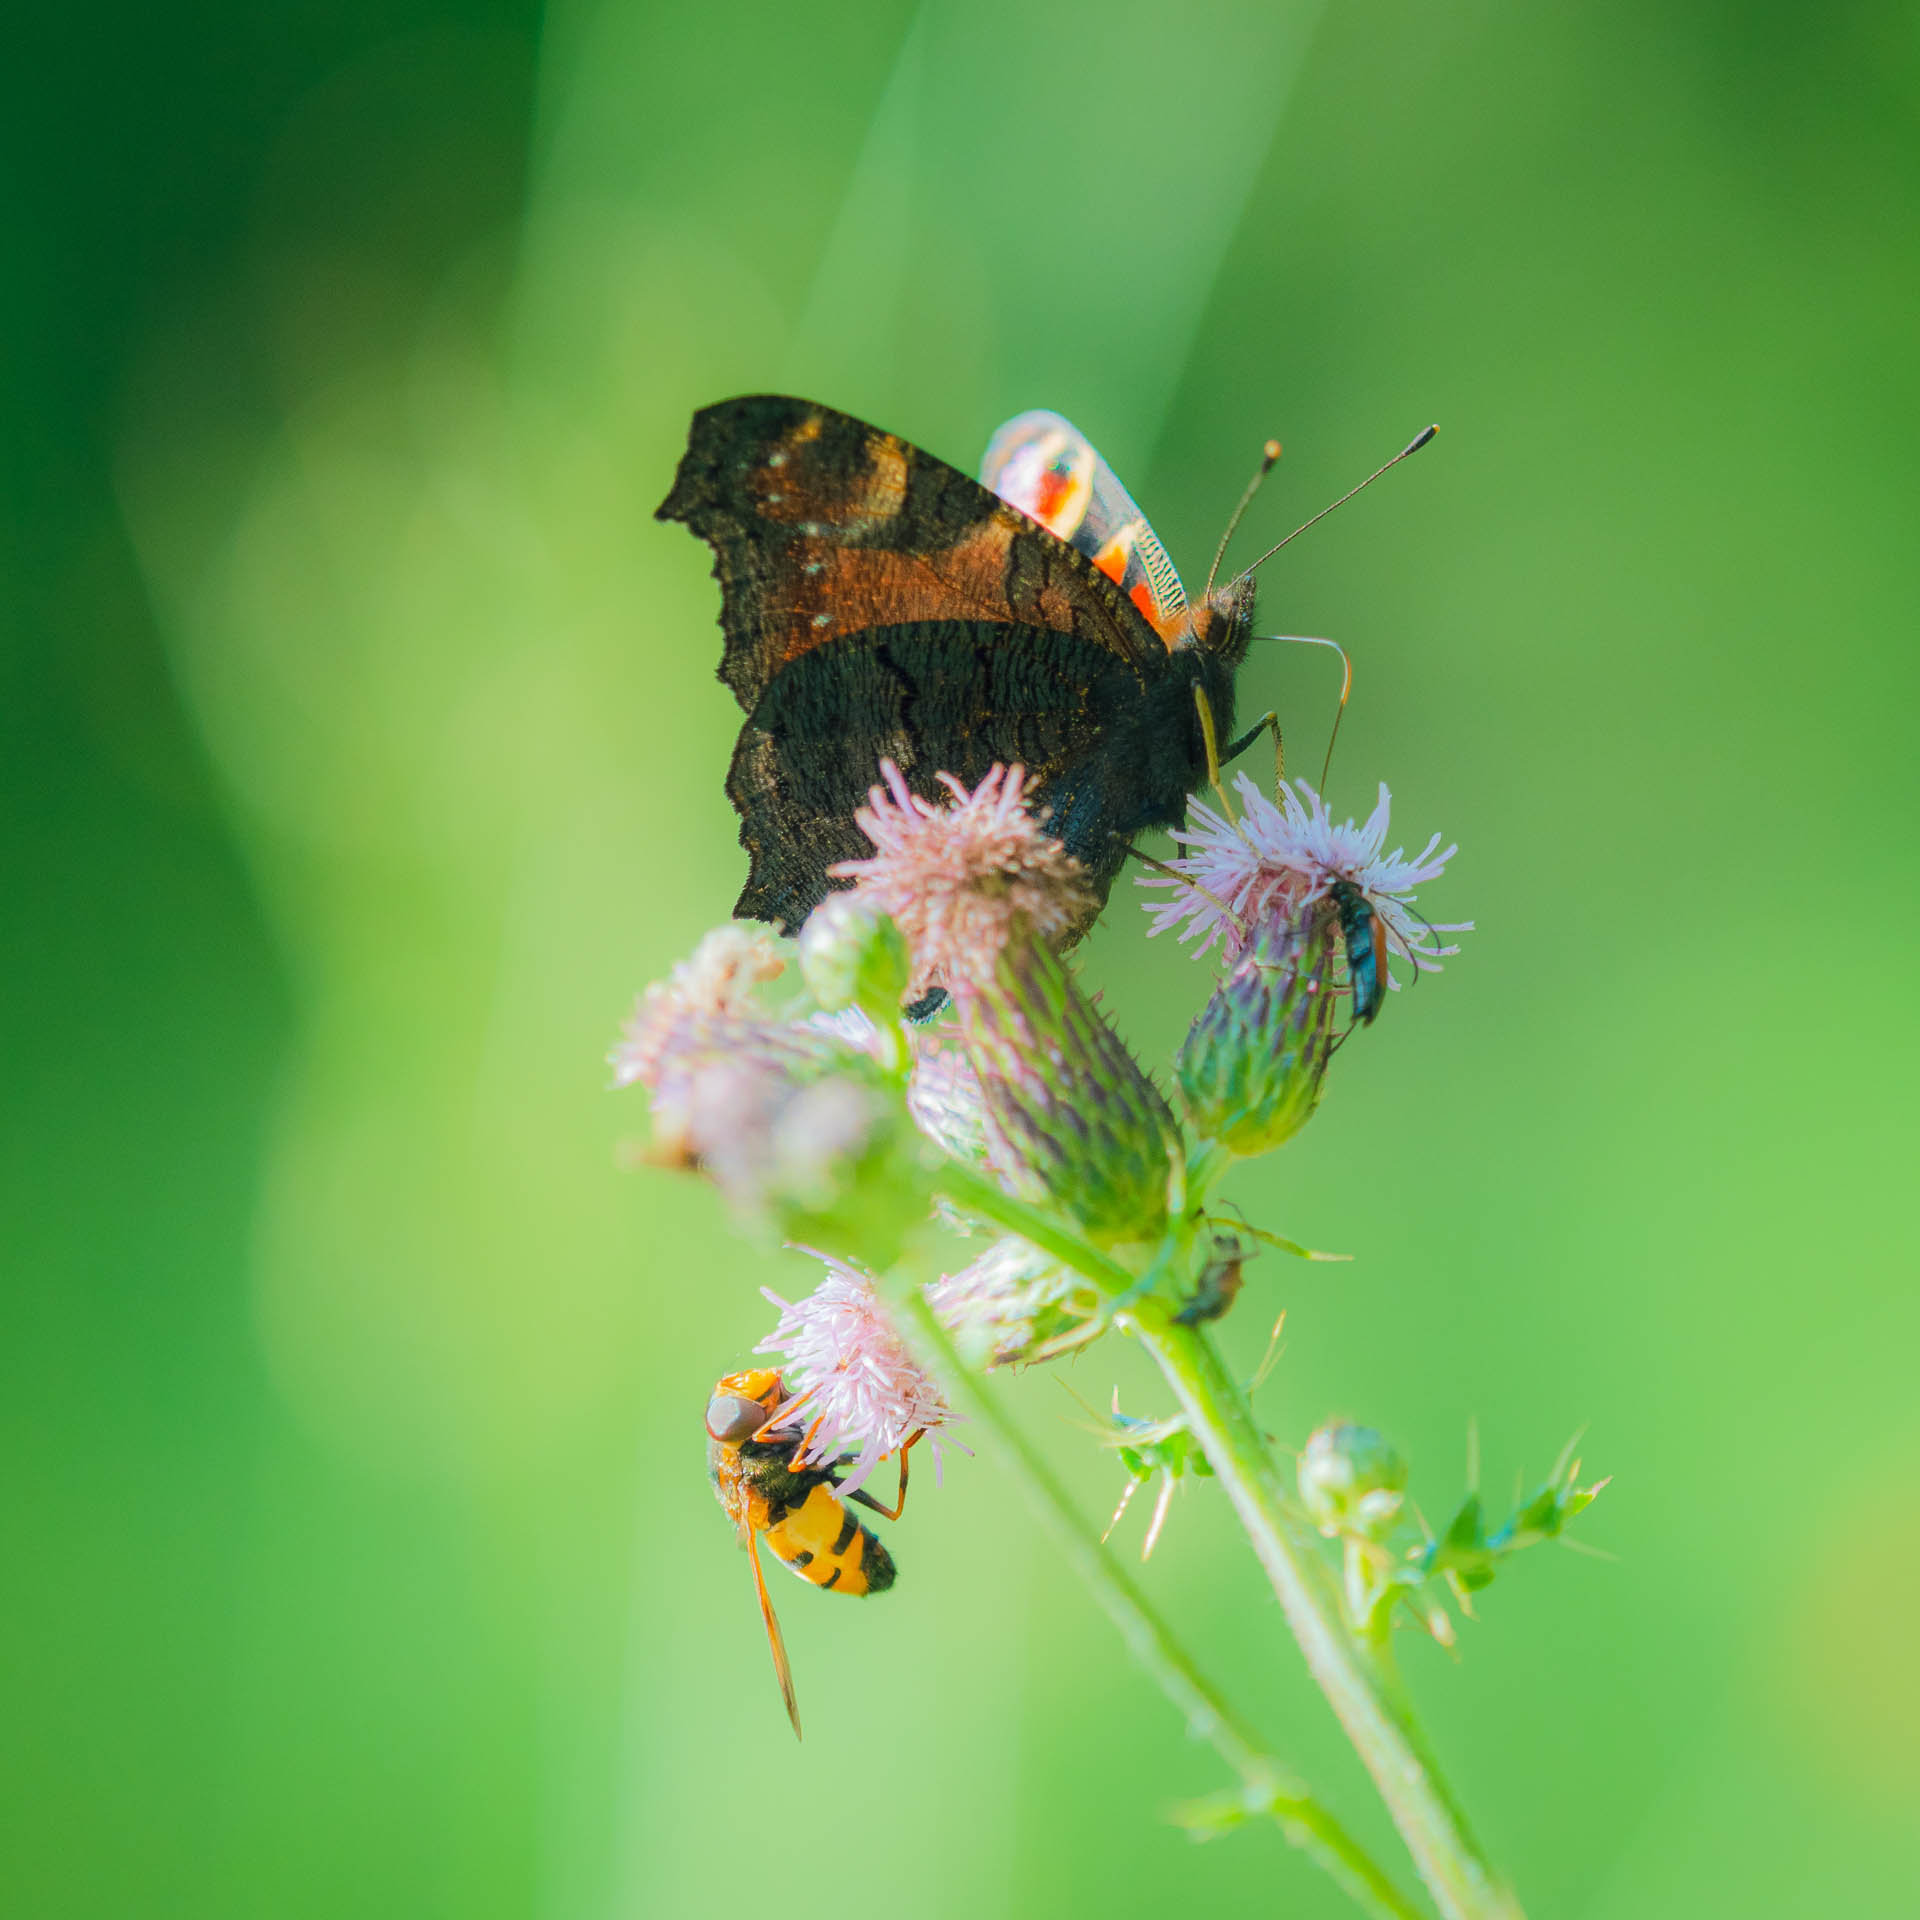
362, 756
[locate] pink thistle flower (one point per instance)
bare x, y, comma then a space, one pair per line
794, 1119
859, 1389
1002, 1304
956, 879
1278, 860
945, 1098
715, 989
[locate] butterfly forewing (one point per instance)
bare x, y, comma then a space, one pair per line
823, 526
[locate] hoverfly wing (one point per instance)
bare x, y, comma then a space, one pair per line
1044, 465
780, 1667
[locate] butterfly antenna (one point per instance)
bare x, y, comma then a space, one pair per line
1413, 446
1268, 460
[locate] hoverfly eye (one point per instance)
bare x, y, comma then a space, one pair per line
731, 1419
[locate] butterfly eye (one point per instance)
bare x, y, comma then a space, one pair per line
730, 1419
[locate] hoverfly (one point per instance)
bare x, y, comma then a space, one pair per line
755, 1473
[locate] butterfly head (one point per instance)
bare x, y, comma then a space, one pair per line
1221, 625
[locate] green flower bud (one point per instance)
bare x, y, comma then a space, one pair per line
852, 955
1252, 1066
1352, 1480
1073, 1121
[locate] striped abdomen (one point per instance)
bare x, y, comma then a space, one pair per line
822, 1542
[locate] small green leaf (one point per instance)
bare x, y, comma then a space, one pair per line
1464, 1535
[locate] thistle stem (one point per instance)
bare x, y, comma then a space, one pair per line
1269, 1790
1362, 1688
976, 1194
1359, 1677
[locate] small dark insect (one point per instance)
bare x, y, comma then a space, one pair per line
1218, 1285
1366, 936
797, 1509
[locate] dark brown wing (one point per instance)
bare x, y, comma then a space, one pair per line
823, 526
1103, 752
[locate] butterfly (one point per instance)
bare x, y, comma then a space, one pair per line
876, 602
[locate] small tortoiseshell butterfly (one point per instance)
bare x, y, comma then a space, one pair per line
876, 602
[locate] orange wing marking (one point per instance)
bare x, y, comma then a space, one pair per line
838, 589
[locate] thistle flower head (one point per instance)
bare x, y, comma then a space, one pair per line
946, 1101
1251, 1069
956, 879
794, 1119
1237, 878
717, 987
808, 1141
1004, 1304
714, 1099
855, 1385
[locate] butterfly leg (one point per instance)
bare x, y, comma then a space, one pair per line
1267, 721
1187, 880
1210, 736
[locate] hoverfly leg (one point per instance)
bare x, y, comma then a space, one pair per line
779, 1646
900, 1504
800, 1452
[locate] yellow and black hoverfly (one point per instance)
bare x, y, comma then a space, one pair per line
803, 1518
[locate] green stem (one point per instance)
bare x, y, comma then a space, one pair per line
978, 1195
1358, 1677
1205, 1168
1269, 1789
1363, 1688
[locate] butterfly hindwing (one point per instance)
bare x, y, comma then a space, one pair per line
939, 696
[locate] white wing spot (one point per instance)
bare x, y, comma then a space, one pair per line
823, 619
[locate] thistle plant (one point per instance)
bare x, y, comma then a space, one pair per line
1005, 1184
